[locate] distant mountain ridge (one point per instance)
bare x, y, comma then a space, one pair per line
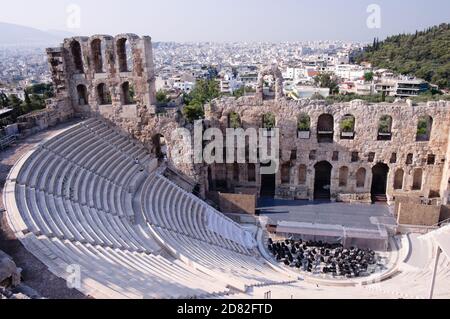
16, 35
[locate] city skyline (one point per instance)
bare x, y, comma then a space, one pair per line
230, 21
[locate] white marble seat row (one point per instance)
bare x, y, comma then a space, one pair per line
55, 216
121, 274
171, 208
73, 202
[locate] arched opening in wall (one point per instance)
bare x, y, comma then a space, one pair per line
127, 94
236, 173
82, 95
268, 87
325, 128
268, 121
409, 159
417, 179
160, 146
348, 127
97, 55
77, 56
379, 182
424, 128
124, 55
398, 179
361, 178
322, 181
211, 185
268, 183
251, 173
304, 126
286, 173
234, 120
343, 176
302, 171
221, 177
103, 94
385, 128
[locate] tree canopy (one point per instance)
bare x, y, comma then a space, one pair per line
424, 54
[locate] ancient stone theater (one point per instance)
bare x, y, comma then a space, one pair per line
105, 196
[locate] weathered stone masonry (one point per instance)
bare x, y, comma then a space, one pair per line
113, 77
416, 168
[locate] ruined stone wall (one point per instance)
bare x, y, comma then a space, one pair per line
339, 153
90, 75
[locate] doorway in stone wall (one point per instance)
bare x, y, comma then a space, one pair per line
379, 182
268, 183
322, 181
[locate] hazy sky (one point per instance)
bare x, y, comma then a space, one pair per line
230, 20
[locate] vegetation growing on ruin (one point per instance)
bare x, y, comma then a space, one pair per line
385, 124
269, 121
424, 54
304, 123
348, 124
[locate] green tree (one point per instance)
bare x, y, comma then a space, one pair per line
162, 97
368, 76
423, 54
193, 112
327, 80
203, 92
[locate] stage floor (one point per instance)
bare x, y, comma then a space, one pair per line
360, 216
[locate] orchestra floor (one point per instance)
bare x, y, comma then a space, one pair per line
360, 216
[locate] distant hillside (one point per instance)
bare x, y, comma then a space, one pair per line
13, 34
425, 54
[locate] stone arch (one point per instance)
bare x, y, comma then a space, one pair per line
304, 122
268, 121
325, 128
398, 179
417, 179
159, 146
286, 173
385, 128
278, 81
236, 172
347, 126
343, 176
75, 49
302, 174
361, 178
127, 93
251, 173
322, 180
124, 55
103, 94
82, 94
424, 128
97, 55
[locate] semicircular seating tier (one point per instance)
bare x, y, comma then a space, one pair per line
91, 199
